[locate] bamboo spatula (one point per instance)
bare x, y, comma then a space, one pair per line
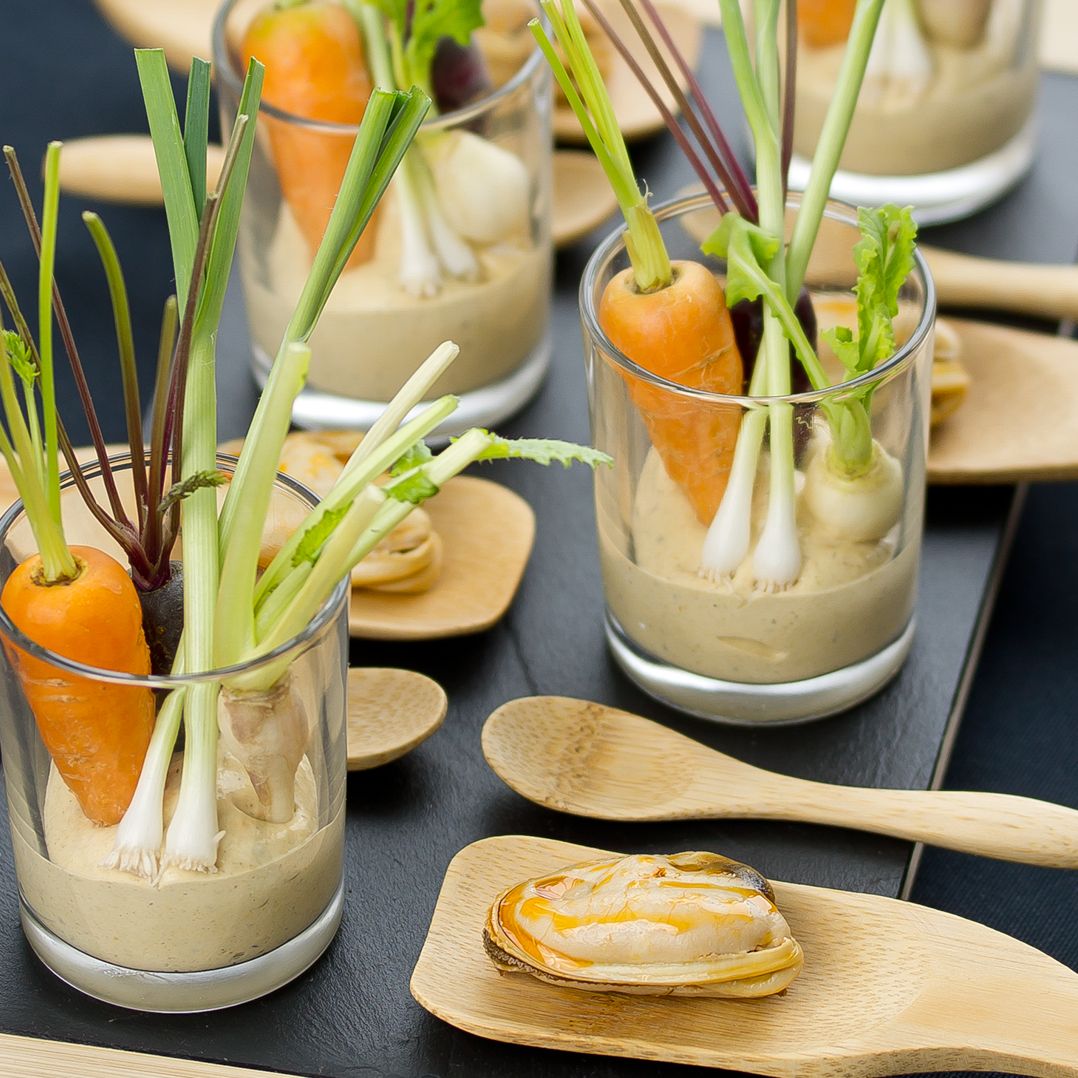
888, 988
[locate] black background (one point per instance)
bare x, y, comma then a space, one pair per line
65, 74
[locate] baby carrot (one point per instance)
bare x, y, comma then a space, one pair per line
825, 22
669, 318
683, 333
76, 601
96, 733
315, 69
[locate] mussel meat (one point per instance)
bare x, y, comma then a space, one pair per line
684, 924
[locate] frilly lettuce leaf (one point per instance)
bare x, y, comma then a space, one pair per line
543, 451
884, 259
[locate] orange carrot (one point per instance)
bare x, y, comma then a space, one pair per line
316, 69
668, 317
96, 733
825, 22
682, 333
75, 601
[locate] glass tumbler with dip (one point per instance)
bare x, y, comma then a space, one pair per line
177, 940
944, 120
485, 169
721, 648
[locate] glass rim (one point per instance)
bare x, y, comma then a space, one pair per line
225, 69
674, 207
293, 647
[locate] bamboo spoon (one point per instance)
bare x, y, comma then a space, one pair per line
888, 988
592, 760
583, 197
183, 30
122, 168
389, 713
23, 1057
1046, 291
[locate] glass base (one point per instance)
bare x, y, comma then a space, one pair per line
936, 197
742, 704
183, 993
487, 406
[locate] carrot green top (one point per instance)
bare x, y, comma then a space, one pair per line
581, 82
29, 443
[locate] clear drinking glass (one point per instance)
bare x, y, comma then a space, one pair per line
374, 332
944, 120
187, 941
722, 649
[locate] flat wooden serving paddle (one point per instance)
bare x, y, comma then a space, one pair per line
888, 988
592, 760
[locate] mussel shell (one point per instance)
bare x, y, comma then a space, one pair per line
762, 971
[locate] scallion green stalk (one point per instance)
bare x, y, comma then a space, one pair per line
50, 212
830, 144
192, 837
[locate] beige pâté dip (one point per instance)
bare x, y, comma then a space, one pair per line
272, 881
851, 600
373, 334
975, 101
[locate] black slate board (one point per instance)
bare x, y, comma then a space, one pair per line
352, 1015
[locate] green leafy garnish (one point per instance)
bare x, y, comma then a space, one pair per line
542, 451
415, 40
417, 455
414, 488
884, 259
18, 354
747, 249
314, 538
186, 487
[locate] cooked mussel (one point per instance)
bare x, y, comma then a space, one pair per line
684, 924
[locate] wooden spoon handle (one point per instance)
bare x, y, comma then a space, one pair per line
120, 168
1003, 826
1026, 287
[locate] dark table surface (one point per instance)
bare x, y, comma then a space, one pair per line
68, 75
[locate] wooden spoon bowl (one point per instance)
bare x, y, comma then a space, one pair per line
389, 713
591, 760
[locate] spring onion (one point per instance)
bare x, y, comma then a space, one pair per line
235, 615
455, 190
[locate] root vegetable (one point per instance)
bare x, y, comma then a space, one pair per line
458, 74
75, 601
482, 188
315, 69
824, 23
96, 733
162, 620
267, 733
862, 508
682, 332
668, 318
